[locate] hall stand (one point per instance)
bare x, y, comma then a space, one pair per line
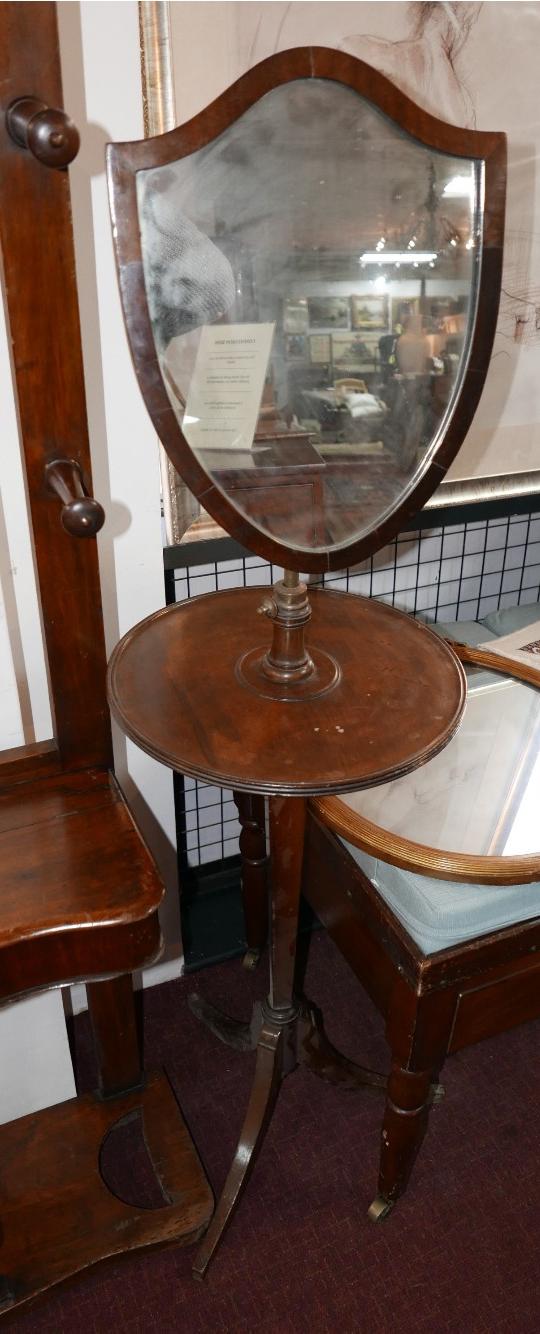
79, 891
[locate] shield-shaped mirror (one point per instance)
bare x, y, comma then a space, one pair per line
310, 275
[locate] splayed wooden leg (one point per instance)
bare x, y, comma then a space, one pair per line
277, 1043
274, 1060
234, 1033
317, 1052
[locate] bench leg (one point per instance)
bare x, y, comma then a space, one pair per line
403, 1129
418, 1031
112, 1011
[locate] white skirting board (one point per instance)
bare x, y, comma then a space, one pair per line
168, 971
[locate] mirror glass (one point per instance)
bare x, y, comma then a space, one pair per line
311, 276
479, 796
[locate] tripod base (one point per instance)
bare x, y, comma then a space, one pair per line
282, 1043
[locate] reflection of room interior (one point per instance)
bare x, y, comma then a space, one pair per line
366, 354
365, 360
363, 261
374, 367
349, 430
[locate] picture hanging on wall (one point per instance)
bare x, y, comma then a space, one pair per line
295, 316
369, 312
320, 349
328, 312
295, 347
351, 350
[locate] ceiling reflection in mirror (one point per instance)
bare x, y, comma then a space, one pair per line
311, 278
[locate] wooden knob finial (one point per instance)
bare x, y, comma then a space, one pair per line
45, 131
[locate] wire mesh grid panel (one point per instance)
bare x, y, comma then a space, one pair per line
459, 572
208, 825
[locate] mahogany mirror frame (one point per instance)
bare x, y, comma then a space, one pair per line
124, 160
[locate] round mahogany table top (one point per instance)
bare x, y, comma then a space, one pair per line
175, 690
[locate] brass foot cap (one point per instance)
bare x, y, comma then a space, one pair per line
380, 1209
251, 959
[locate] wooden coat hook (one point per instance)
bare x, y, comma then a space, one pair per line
81, 516
47, 132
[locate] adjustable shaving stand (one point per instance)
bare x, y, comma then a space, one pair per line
288, 722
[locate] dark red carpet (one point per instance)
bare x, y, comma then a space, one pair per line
460, 1252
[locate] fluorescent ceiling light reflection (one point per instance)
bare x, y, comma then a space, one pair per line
459, 187
398, 257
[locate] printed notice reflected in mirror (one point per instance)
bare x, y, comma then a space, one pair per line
226, 386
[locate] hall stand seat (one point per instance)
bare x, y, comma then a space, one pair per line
79, 890
79, 899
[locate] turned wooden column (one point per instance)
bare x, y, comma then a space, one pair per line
254, 873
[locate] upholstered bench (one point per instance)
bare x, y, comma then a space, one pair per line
431, 888
422, 903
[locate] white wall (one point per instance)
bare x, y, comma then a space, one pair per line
34, 1052
25, 713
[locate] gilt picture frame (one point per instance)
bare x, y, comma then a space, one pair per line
370, 313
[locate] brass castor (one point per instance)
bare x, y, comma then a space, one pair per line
380, 1209
251, 959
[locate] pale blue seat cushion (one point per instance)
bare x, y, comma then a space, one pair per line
440, 913
464, 632
495, 625
507, 620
